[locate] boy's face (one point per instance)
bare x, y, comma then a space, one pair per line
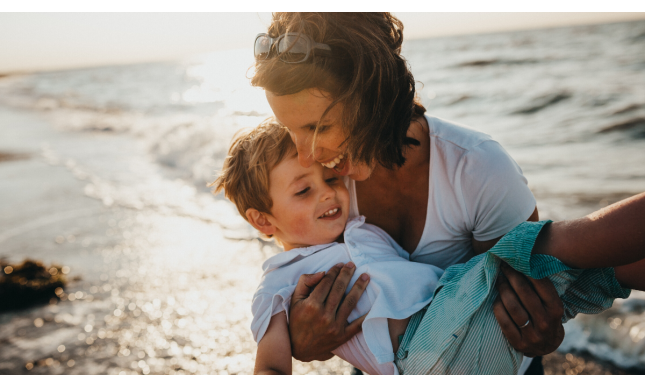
310, 205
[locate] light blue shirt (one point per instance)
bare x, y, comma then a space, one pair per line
397, 289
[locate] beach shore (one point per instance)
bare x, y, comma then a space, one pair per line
156, 286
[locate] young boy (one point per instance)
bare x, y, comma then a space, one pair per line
306, 211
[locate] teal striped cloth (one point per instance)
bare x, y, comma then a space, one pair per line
458, 333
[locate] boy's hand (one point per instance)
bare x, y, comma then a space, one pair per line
318, 313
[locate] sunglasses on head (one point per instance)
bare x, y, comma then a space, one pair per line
291, 47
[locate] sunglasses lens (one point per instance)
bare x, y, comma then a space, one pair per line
293, 49
262, 47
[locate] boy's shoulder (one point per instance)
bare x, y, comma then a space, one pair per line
288, 258
284, 269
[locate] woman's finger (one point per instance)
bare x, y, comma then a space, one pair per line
351, 299
506, 323
306, 283
339, 288
511, 302
321, 291
544, 333
550, 299
355, 327
531, 302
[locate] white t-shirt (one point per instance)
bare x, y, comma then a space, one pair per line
475, 190
397, 289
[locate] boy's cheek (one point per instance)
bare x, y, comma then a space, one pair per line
301, 228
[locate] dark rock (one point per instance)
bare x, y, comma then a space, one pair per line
29, 283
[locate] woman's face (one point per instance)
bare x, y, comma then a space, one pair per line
300, 113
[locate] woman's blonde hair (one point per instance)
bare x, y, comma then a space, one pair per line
366, 75
251, 157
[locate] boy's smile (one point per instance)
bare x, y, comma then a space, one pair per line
310, 205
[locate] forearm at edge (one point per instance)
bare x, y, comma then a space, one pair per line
269, 371
613, 236
274, 349
631, 276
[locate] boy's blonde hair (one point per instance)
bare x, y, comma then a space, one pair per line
251, 157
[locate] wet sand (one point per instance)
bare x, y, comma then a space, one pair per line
558, 363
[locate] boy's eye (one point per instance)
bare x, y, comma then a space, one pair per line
304, 191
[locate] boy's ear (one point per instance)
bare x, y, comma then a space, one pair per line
260, 221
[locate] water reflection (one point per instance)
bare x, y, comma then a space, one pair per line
173, 297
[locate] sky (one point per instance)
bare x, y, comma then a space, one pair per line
48, 41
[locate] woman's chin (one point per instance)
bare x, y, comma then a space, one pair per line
358, 173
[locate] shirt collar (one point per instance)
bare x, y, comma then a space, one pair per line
294, 255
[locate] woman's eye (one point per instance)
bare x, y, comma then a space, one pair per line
320, 130
304, 191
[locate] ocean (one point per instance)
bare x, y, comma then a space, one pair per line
108, 169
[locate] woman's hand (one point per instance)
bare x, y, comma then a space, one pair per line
523, 299
318, 313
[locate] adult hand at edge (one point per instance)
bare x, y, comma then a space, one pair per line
319, 311
523, 299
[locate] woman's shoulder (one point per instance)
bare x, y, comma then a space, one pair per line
451, 134
466, 151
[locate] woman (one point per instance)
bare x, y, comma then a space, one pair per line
444, 192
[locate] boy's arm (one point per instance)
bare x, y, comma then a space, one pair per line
610, 237
274, 349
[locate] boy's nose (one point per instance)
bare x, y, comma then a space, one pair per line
328, 193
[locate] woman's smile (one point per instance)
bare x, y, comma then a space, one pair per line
300, 113
331, 163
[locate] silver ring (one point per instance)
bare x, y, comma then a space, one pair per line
526, 324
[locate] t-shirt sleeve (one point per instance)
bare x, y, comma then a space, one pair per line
495, 193
265, 306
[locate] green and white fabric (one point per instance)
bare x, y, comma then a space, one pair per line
458, 334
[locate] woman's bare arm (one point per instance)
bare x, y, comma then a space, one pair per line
274, 350
610, 237
632, 276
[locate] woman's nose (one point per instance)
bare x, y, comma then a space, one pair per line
305, 158
303, 146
